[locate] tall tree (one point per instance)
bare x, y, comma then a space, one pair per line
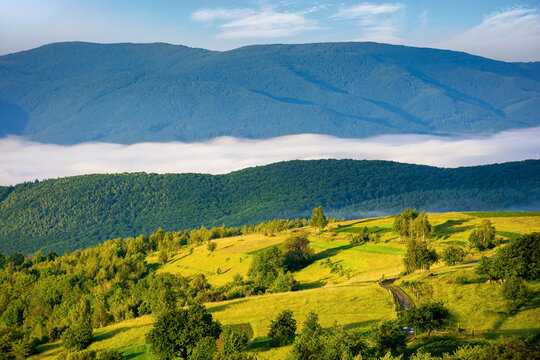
318, 220
421, 228
403, 223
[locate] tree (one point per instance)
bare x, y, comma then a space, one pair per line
318, 220
515, 291
177, 332
205, 349
282, 329
421, 228
234, 342
520, 258
310, 344
283, 283
403, 223
389, 336
483, 236
266, 267
296, 251
428, 316
163, 256
78, 336
211, 246
419, 256
453, 255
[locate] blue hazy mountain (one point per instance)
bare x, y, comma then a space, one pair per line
72, 92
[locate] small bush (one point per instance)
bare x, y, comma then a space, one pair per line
211, 246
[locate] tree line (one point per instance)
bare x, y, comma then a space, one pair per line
81, 211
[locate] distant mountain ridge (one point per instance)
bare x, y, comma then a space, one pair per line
68, 93
77, 212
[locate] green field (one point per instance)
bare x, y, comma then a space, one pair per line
351, 296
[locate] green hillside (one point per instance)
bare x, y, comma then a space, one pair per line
76, 212
67, 93
340, 285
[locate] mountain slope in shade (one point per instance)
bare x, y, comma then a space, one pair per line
77, 212
68, 93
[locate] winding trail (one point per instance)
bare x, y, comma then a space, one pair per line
404, 300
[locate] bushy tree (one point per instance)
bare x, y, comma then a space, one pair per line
234, 342
296, 251
282, 329
453, 255
283, 283
177, 332
205, 349
520, 258
388, 336
318, 220
309, 345
483, 236
427, 316
78, 336
419, 256
211, 246
163, 256
515, 291
269, 272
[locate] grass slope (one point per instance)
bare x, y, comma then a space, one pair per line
77, 212
350, 297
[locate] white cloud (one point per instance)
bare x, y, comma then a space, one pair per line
251, 23
367, 10
511, 35
377, 22
22, 160
206, 15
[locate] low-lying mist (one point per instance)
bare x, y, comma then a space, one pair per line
22, 160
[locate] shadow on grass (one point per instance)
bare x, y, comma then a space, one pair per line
109, 334
361, 324
226, 306
261, 343
332, 252
133, 355
450, 227
57, 347
179, 258
312, 285
152, 267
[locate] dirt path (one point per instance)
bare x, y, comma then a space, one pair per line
404, 300
399, 294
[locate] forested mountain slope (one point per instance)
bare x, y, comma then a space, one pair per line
77, 212
68, 93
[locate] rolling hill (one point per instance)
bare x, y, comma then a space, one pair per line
67, 93
349, 296
77, 212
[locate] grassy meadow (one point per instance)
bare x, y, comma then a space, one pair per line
341, 283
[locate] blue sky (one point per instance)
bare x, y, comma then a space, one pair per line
499, 29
